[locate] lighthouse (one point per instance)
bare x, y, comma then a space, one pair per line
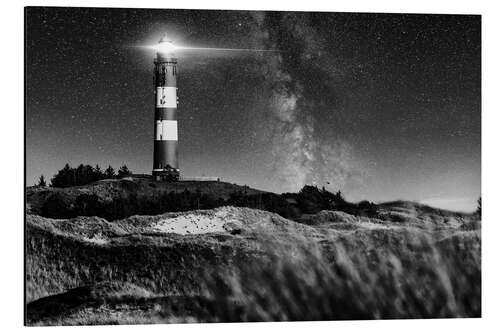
165, 154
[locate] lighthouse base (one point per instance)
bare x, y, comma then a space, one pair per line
166, 174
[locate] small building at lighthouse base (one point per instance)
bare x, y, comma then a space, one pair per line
166, 174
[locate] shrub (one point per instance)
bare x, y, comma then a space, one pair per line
58, 205
109, 173
124, 172
87, 205
41, 181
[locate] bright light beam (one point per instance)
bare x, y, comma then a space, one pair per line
170, 48
166, 46
221, 49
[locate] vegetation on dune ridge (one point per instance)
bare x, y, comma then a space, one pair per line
118, 199
81, 191
273, 269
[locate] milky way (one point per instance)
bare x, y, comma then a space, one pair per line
380, 106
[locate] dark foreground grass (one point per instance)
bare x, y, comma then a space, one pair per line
432, 279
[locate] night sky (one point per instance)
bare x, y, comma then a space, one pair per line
379, 106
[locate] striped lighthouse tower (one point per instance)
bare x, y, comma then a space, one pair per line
165, 163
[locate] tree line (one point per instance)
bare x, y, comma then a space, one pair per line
82, 175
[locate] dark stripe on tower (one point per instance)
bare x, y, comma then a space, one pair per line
165, 70
166, 114
165, 152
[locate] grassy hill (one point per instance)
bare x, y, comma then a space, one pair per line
119, 198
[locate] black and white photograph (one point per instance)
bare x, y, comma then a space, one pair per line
221, 166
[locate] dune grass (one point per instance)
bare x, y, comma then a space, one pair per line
420, 277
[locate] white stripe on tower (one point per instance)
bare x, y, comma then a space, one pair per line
166, 97
169, 130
